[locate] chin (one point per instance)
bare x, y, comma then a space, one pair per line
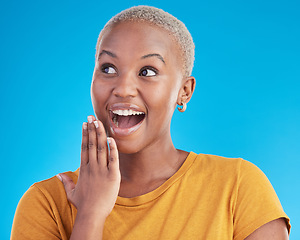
124, 147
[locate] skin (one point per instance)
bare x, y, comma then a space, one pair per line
143, 154
98, 183
274, 230
143, 160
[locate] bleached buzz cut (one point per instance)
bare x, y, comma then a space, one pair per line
161, 19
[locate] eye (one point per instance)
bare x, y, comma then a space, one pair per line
108, 69
148, 72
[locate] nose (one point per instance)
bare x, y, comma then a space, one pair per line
126, 86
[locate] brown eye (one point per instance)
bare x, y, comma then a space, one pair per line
148, 72
108, 69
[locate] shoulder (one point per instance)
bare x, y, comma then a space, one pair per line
253, 201
216, 161
44, 211
217, 166
45, 193
216, 176
245, 179
53, 185
225, 166
50, 191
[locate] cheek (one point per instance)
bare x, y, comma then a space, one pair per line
164, 99
99, 95
162, 102
166, 95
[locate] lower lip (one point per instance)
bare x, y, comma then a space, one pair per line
124, 131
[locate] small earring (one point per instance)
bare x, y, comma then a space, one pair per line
183, 108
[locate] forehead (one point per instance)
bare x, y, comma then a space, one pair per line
140, 37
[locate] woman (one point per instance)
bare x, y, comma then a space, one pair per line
132, 182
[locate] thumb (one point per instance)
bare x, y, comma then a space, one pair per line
69, 185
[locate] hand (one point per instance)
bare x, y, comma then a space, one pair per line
98, 183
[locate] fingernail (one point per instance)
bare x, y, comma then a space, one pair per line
108, 140
96, 124
84, 125
90, 119
59, 177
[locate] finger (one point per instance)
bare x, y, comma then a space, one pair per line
113, 159
92, 142
84, 146
69, 185
101, 144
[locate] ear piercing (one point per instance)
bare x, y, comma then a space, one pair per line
183, 108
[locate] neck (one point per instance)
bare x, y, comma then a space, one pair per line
159, 161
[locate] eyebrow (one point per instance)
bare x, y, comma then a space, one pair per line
143, 57
154, 55
108, 53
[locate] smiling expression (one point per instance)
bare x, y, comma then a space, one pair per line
136, 83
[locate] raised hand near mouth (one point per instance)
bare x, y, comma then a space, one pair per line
98, 183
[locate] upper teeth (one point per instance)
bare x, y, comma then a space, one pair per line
126, 112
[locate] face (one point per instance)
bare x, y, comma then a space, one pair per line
136, 82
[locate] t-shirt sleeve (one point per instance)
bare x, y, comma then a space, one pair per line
256, 202
34, 218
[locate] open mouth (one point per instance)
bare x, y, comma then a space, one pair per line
127, 118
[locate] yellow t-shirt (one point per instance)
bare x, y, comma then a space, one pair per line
209, 198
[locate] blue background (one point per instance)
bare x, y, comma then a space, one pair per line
246, 104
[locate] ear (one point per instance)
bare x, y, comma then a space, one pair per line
186, 91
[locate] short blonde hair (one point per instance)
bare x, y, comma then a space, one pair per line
161, 19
